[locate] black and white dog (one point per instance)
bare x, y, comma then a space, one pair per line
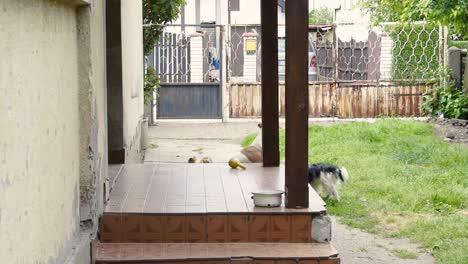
327, 176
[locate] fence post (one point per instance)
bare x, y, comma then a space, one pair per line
335, 56
223, 75
446, 31
454, 64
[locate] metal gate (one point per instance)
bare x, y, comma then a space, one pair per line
188, 61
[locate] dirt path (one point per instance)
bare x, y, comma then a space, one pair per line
177, 142
357, 247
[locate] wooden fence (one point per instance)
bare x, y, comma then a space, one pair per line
337, 99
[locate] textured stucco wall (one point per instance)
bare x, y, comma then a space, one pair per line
53, 120
39, 130
132, 71
53, 154
92, 108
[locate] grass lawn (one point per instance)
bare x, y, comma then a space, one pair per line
404, 182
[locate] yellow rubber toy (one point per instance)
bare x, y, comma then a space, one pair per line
234, 163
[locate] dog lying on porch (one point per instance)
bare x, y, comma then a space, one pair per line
328, 177
253, 153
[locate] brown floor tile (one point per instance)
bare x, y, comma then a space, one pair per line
263, 253
111, 228
311, 261
180, 188
154, 251
131, 228
259, 227
301, 228
198, 250
280, 228
217, 229
196, 228
241, 261
330, 261
285, 261
152, 228
131, 251
238, 230
175, 229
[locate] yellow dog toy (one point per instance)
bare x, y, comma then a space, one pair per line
234, 163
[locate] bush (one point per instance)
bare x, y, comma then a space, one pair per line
151, 84
450, 101
415, 50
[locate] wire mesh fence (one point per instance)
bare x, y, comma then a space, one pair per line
389, 52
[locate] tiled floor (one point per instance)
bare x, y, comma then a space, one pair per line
198, 189
192, 228
114, 170
222, 252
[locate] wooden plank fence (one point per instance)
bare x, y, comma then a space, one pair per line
335, 99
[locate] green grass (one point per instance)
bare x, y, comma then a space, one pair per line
247, 140
461, 44
404, 254
403, 182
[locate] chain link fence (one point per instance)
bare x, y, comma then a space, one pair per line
365, 72
389, 52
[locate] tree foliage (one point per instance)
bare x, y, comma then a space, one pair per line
322, 15
452, 13
158, 13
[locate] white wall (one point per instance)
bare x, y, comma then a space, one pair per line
132, 70
39, 130
352, 23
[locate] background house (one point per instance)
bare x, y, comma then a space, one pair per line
55, 117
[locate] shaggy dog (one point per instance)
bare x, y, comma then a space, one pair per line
327, 176
252, 153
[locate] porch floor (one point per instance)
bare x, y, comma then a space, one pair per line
171, 188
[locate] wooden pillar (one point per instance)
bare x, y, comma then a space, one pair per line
270, 126
297, 104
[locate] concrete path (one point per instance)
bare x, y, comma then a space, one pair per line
178, 141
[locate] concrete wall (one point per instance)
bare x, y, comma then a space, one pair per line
53, 120
132, 75
39, 135
92, 109
352, 23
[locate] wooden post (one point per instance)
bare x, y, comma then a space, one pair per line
270, 126
297, 104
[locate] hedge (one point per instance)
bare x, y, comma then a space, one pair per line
415, 53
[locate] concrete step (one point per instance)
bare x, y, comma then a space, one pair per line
245, 253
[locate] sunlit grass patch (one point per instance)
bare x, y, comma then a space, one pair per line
397, 168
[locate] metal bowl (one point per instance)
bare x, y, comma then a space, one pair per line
267, 198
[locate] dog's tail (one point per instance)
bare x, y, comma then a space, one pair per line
344, 176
